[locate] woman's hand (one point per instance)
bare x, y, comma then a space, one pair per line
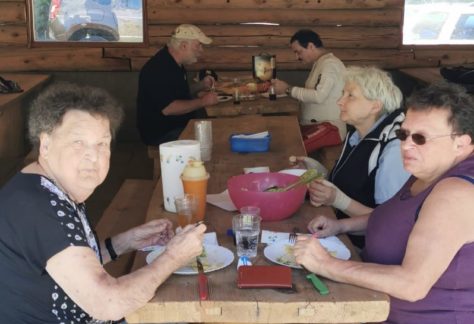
186, 244
155, 232
304, 162
321, 192
310, 253
323, 226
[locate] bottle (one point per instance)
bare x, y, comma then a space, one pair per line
236, 94
272, 94
195, 179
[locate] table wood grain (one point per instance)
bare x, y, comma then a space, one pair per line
177, 299
259, 106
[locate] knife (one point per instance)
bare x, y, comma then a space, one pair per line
202, 280
317, 283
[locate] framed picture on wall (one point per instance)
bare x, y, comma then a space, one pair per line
87, 22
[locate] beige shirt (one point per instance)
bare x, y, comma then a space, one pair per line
322, 89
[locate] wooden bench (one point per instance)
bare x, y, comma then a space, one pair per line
423, 75
127, 210
154, 154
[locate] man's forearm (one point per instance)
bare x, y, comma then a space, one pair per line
181, 107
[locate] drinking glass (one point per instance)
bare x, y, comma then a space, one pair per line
250, 210
186, 208
246, 228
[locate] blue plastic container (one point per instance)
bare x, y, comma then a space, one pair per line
247, 145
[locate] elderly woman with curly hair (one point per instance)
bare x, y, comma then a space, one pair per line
51, 262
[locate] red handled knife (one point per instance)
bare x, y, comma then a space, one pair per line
202, 280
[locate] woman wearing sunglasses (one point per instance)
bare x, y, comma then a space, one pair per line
420, 243
370, 169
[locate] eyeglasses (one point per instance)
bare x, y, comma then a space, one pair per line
418, 139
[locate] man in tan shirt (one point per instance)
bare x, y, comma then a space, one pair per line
324, 85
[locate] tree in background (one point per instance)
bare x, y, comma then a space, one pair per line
41, 18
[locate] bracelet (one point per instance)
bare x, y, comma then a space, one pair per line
110, 248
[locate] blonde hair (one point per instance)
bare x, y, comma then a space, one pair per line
375, 84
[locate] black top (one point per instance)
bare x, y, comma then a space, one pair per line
351, 172
161, 81
37, 221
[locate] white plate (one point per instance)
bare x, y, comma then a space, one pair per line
295, 172
217, 257
280, 251
224, 98
267, 94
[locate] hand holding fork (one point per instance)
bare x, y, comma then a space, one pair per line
317, 283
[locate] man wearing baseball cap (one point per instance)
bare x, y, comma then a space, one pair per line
165, 101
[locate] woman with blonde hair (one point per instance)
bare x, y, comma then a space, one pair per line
369, 170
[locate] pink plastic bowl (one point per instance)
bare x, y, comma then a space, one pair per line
247, 190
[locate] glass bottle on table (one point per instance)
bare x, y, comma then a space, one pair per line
272, 93
236, 92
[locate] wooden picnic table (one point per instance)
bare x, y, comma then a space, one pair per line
177, 299
260, 106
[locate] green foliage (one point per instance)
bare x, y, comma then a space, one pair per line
41, 18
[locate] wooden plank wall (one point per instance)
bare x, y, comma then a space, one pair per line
358, 31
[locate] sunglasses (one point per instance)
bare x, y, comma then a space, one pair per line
418, 139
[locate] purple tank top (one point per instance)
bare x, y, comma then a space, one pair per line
451, 299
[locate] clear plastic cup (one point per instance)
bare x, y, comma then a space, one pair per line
186, 208
250, 210
246, 229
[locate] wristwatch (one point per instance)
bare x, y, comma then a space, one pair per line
288, 90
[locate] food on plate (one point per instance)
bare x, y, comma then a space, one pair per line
288, 258
252, 86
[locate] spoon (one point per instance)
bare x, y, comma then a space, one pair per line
305, 178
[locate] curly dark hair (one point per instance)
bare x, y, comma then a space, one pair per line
450, 97
48, 110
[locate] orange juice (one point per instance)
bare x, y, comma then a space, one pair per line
195, 179
185, 209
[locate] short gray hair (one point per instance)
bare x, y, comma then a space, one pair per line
48, 110
175, 42
376, 84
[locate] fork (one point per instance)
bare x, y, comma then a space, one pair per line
317, 283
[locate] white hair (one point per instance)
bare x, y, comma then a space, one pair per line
375, 84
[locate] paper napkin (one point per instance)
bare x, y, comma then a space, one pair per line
254, 135
270, 237
222, 200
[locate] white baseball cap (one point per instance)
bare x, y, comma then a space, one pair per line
187, 31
